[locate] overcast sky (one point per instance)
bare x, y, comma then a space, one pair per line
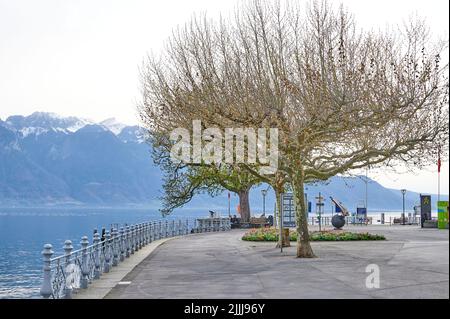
80, 57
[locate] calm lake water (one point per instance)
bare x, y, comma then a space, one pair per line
23, 232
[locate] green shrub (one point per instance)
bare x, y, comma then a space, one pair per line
271, 234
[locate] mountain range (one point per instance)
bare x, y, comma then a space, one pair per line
50, 160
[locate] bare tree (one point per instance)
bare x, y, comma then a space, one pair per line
182, 181
341, 98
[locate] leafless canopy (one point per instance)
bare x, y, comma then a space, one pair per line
342, 98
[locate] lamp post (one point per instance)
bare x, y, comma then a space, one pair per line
403, 213
229, 204
264, 193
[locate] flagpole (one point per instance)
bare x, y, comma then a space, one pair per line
439, 174
439, 185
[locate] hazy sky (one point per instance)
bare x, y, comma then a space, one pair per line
79, 57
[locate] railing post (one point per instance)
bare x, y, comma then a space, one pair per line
127, 241
145, 234
166, 228
173, 228
137, 238
132, 238
107, 252
84, 262
115, 248
46, 288
97, 245
151, 232
67, 254
122, 244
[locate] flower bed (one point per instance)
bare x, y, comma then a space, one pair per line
271, 234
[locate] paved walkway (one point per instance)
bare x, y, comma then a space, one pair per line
414, 263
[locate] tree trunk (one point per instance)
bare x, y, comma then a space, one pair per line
304, 249
244, 205
278, 212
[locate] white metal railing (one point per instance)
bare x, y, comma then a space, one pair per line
76, 269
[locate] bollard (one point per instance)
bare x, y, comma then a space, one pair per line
67, 254
97, 245
84, 263
46, 287
127, 242
187, 227
115, 247
107, 252
122, 244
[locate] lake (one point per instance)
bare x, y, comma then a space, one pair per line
23, 232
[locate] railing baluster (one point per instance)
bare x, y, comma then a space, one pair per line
115, 247
84, 263
46, 287
127, 241
132, 238
97, 271
107, 252
122, 244
67, 256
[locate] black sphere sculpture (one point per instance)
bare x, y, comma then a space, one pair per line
338, 221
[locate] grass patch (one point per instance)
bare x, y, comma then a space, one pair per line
271, 234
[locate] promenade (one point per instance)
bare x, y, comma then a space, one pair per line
413, 263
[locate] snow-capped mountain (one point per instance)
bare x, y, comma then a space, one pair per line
113, 125
49, 159
42, 122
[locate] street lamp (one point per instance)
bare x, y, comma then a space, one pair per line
403, 213
264, 193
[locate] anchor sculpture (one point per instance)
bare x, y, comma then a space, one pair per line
338, 220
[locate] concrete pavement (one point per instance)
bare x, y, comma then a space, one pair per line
413, 263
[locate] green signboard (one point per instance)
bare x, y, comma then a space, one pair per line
442, 214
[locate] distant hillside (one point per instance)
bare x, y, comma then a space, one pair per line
46, 159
